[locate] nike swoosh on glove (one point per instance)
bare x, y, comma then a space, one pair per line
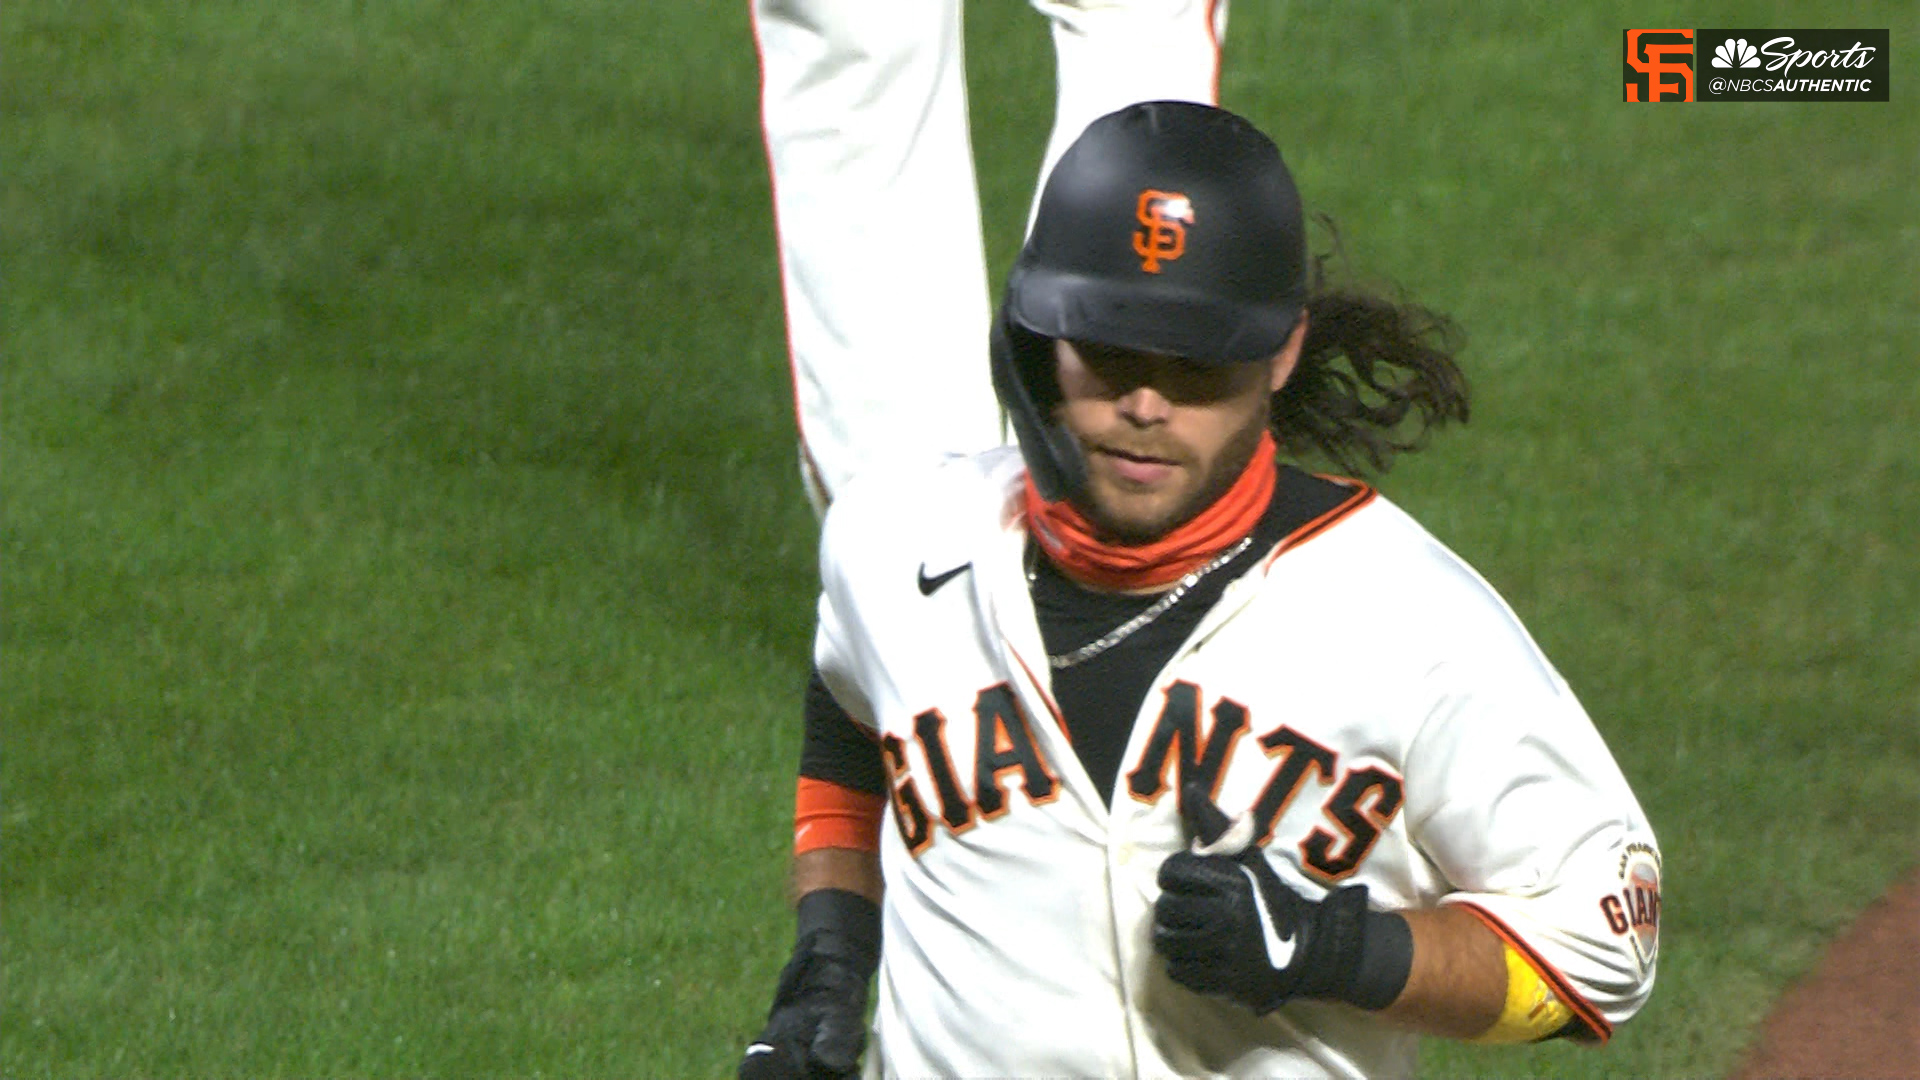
817, 1027
1228, 926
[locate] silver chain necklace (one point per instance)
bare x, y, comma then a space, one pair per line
1160, 607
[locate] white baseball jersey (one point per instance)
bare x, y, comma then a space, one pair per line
1361, 691
864, 107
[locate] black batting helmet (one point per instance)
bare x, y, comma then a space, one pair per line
1167, 227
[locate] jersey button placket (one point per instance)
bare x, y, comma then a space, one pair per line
1121, 889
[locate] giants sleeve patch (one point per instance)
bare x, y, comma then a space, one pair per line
1634, 911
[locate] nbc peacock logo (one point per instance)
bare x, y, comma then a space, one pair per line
1735, 53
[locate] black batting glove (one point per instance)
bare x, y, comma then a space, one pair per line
1229, 927
817, 1027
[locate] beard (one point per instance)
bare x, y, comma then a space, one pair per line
1127, 515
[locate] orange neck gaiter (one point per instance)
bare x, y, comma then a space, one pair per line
1074, 544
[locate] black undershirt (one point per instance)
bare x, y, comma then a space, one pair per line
1100, 697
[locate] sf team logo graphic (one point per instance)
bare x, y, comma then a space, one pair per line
1658, 65
1162, 236
1635, 909
1755, 64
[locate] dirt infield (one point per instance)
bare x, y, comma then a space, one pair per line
1857, 1014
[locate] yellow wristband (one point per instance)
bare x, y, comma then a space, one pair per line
1533, 1011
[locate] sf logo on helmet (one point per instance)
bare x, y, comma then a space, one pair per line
1164, 217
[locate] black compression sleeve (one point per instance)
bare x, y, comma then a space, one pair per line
843, 923
836, 748
1386, 959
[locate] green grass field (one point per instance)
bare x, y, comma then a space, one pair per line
407, 584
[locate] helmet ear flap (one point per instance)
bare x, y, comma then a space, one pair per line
1024, 380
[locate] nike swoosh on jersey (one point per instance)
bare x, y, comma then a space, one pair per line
929, 584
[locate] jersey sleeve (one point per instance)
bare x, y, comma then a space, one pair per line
1515, 798
838, 656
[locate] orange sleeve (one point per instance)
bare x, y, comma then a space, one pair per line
827, 815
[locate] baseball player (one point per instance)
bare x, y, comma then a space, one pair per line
877, 214
1135, 752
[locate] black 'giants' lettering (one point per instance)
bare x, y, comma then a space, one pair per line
930, 728
909, 813
1180, 723
1298, 754
1004, 741
1362, 806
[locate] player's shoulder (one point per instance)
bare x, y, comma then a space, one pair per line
1378, 539
1377, 560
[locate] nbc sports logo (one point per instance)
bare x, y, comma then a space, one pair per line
1735, 52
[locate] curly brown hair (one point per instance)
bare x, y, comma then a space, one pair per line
1399, 363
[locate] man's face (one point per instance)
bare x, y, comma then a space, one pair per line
1163, 437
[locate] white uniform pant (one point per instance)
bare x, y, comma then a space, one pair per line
877, 212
